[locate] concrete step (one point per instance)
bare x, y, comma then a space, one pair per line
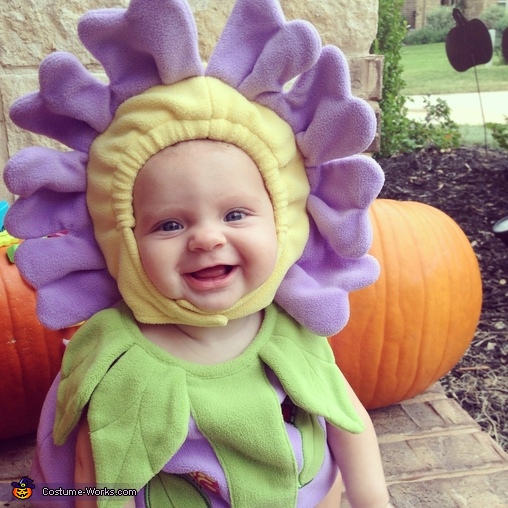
436, 456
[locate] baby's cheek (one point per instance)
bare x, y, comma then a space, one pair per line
270, 257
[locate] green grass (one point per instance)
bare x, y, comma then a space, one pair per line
427, 71
474, 135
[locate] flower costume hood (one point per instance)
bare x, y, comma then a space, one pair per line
305, 138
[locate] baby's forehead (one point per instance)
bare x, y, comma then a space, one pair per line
199, 167
201, 153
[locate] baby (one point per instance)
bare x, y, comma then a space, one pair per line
206, 233
225, 222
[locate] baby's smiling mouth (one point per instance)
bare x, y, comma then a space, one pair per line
212, 272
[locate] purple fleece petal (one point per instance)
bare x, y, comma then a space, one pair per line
259, 51
151, 43
38, 167
315, 290
75, 298
30, 112
72, 106
328, 121
51, 186
334, 261
341, 192
70, 90
62, 255
249, 27
292, 50
69, 273
47, 212
70, 276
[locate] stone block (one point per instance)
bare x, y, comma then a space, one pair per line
414, 459
4, 155
434, 392
32, 29
488, 490
367, 76
35, 28
352, 26
470, 491
427, 414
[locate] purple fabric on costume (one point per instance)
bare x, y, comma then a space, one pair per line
53, 465
154, 42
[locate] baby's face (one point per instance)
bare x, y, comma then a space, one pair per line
204, 224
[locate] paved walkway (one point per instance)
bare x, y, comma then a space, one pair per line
465, 107
434, 455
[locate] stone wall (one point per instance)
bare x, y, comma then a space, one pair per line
31, 29
416, 11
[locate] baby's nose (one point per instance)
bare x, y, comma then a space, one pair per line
206, 238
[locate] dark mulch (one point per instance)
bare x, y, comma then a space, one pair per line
470, 185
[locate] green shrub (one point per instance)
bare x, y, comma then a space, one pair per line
423, 36
437, 129
391, 32
501, 25
398, 133
500, 133
493, 15
496, 17
437, 25
441, 20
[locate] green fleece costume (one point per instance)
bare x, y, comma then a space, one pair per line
141, 398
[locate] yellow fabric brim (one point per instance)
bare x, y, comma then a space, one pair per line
196, 108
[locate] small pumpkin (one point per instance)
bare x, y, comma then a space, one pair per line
30, 355
412, 326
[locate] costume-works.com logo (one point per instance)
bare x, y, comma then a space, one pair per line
23, 489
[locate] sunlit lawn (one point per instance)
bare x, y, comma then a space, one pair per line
427, 71
474, 135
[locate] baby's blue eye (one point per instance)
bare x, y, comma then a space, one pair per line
234, 216
171, 225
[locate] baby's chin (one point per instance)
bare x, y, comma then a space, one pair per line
210, 308
206, 293
217, 307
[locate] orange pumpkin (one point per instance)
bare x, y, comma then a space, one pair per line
30, 355
413, 325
